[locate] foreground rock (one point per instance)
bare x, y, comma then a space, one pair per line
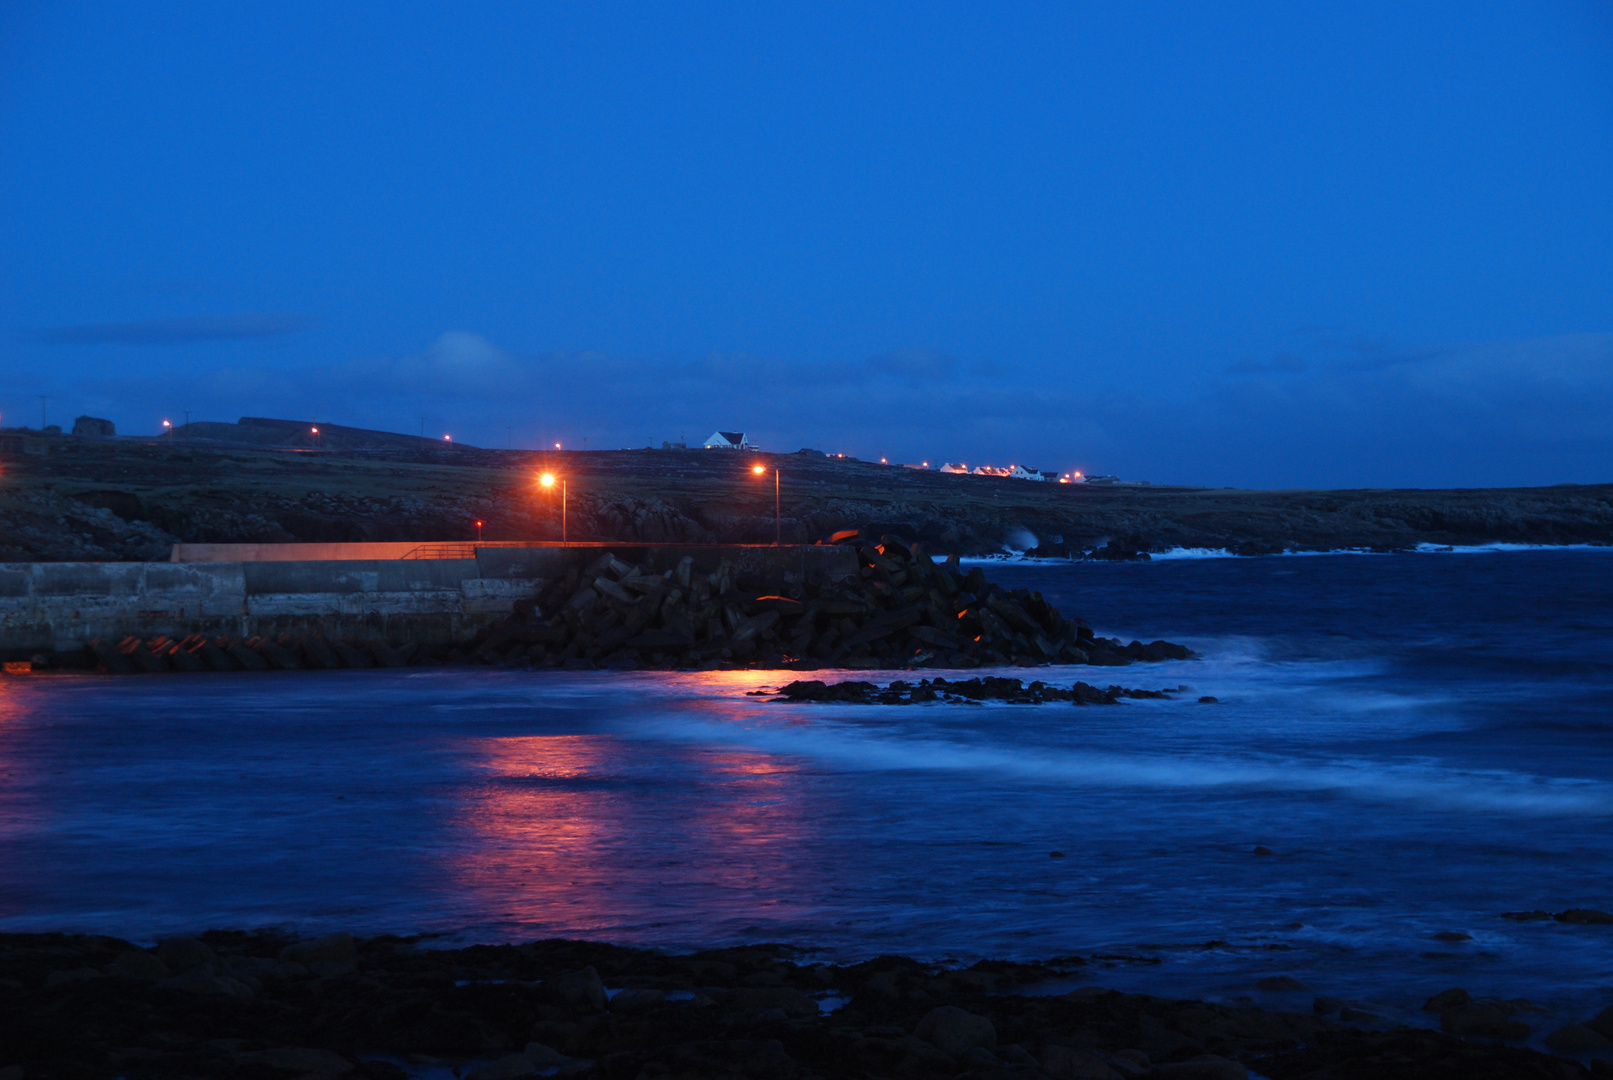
266, 1007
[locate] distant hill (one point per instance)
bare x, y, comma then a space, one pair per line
299, 434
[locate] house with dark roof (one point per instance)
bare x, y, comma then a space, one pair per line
729, 440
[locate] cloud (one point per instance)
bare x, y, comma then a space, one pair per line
177, 330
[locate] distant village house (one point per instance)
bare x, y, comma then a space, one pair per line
729, 440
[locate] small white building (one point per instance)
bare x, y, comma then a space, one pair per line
1019, 472
728, 440
955, 467
991, 470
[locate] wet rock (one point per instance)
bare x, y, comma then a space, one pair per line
953, 1030
1585, 917
1074, 1063
1206, 1067
1578, 1039
311, 1064
333, 948
792, 1003
1603, 1023
180, 954
1281, 982
1262, 849
509, 1067
582, 989
71, 975
1483, 1020
138, 964
1447, 999
636, 1001
200, 981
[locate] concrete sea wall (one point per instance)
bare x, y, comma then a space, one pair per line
61, 607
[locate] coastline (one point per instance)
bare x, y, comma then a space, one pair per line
265, 1005
75, 499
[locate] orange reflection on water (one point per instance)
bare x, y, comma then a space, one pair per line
588, 833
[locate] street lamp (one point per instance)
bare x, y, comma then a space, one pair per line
778, 530
547, 480
478, 530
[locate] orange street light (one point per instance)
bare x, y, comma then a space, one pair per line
447, 438
547, 480
778, 529
167, 424
478, 530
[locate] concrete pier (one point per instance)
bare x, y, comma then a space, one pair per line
61, 607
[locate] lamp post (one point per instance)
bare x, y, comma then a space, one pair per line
478, 530
778, 529
547, 480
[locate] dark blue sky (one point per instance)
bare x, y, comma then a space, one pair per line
1278, 245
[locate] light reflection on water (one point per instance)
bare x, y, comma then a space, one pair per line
561, 832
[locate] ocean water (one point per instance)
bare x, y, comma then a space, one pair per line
1423, 741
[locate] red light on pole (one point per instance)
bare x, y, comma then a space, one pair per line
478, 531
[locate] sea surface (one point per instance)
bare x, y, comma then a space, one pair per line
1423, 741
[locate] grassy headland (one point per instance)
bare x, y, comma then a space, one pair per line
68, 498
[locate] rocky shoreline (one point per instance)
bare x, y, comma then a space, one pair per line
265, 1006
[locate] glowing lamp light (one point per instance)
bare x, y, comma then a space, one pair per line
167, 424
884, 461
757, 469
447, 438
314, 430
557, 446
547, 479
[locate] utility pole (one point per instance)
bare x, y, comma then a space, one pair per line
187, 423
422, 427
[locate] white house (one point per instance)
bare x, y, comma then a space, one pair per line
729, 440
954, 467
1019, 472
991, 470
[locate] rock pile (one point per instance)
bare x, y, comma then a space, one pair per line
903, 610
260, 1006
990, 688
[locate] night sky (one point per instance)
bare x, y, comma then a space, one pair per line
1284, 245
